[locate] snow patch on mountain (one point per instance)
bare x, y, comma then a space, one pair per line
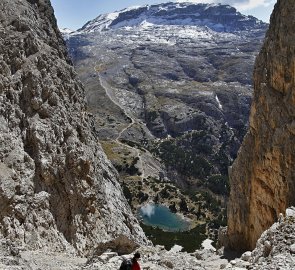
66, 32
112, 16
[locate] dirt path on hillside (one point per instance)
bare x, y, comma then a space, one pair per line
108, 91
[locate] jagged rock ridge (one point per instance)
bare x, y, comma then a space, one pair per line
262, 177
57, 189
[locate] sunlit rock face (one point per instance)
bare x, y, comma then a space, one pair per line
262, 177
57, 189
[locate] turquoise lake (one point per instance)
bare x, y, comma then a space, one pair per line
160, 216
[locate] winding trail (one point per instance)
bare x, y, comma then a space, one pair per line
108, 90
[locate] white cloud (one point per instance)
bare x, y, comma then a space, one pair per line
148, 210
239, 4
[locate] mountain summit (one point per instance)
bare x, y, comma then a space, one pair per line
218, 17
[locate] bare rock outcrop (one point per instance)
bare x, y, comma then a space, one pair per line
57, 189
262, 177
274, 249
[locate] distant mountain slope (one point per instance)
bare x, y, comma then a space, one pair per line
220, 18
171, 87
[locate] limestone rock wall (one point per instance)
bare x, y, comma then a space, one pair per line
263, 175
57, 188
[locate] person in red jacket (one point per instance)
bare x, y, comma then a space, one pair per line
135, 264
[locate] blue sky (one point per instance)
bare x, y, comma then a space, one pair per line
74, 14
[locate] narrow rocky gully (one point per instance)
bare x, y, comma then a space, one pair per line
62, 203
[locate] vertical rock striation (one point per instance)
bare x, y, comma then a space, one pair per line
57, 189
263, 175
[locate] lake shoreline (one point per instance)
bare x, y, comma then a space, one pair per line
159, 215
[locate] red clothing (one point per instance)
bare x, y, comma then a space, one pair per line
135, 266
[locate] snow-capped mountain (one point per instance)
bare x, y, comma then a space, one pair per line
174, 46
218, 17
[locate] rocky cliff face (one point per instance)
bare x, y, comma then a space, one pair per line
262, 177
57, 188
